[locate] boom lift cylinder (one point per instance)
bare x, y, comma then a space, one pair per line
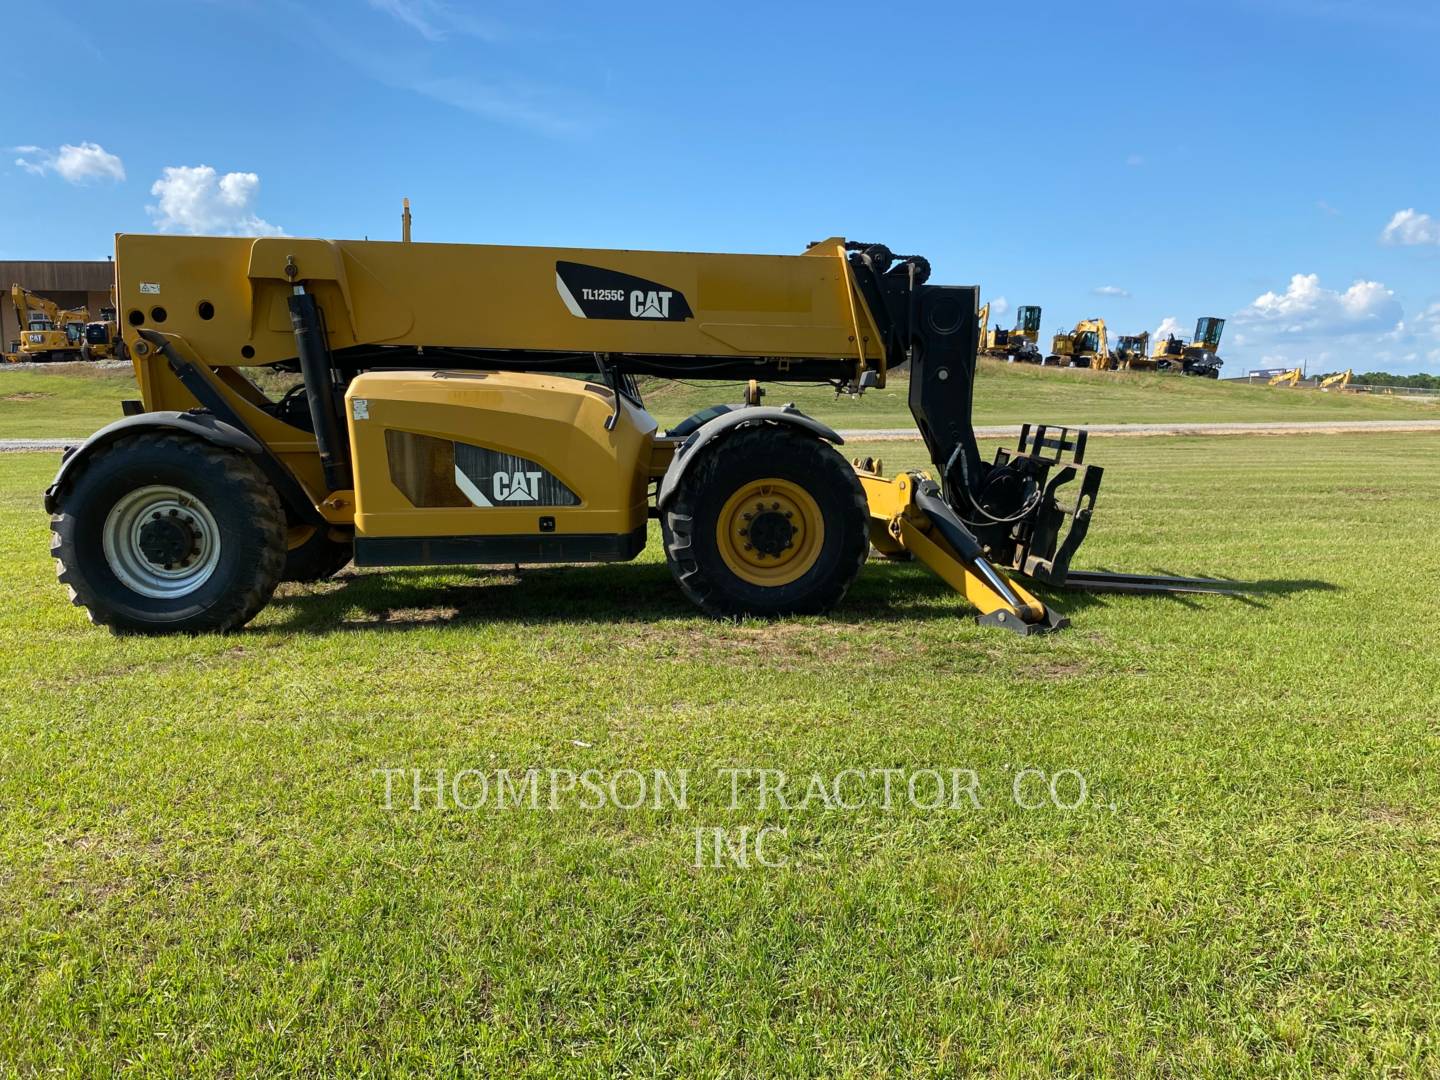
315, 367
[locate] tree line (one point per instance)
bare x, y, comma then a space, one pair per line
1384, 378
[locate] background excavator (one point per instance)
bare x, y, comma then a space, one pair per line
1198, 356
46, 333
1088, 345
439, 421
1287, 378
1020, 343
1339, 381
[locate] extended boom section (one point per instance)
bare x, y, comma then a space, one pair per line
309, 402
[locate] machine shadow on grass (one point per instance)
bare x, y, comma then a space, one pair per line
538, 595
635, 593
1256, 594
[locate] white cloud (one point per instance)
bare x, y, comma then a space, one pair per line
435, 20
1362, 327
1170, 325
999, 306
1111, 290
75, 164
1409, 228
195, 199
1307, 308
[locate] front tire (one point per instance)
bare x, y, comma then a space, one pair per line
162, 533
770, 521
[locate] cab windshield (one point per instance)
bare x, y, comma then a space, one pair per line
1207, 331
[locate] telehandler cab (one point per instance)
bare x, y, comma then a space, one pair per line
433, 424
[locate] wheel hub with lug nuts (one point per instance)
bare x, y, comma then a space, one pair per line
770, 532
169, 540
161, 542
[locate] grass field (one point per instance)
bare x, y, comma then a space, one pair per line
201, 875
1017, 393
74, 400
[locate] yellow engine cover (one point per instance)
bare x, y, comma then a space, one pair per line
496, 454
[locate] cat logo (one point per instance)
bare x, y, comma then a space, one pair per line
650, 305
596, 292
516, 486
494, 478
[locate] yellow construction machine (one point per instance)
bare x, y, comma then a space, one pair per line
437, 420
1198, 356
46, 332
1088, 345
102, 337
1288, 378
1132, 351
1339, 381
1020, 343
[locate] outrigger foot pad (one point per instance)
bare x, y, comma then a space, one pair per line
1005, 620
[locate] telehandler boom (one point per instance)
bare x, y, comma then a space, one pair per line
433, 424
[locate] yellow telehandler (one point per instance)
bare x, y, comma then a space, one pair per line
438, 421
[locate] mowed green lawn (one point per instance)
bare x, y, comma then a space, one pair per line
201, 875
61, 400
73, 400
1020, 393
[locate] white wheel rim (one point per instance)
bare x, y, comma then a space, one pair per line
134, 568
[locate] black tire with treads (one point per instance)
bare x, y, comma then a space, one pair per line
688, 522
241, 500
317, 559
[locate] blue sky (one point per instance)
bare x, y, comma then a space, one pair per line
1271, 161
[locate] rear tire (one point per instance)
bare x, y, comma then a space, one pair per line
317, 558
161, 533
808, 513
